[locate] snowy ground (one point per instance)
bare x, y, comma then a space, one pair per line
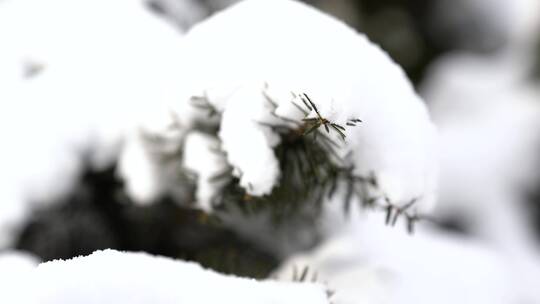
115, 277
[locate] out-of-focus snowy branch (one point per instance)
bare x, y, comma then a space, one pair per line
77, 77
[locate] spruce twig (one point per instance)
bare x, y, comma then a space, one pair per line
392, 210
318, 121
312, 170
310, 166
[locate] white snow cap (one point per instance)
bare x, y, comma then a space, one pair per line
115, 277
282, 47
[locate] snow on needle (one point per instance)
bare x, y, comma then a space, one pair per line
315, 122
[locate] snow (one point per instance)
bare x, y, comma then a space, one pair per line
248, 149
487, 111
116, 277
489, 135
99, 69
143, 178
488, 116
14, 269
371, 263
200, 158
307, 52
92, 91
486, 107
108, 86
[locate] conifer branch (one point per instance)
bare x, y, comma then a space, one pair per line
393, 211
311, 170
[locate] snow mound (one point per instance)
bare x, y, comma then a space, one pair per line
14, 269
116, 277
372, 263
280, 49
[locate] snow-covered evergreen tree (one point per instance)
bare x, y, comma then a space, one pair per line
269, 142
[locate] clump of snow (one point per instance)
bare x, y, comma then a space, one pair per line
200, 157
75, 77
283, 48
248, 149
115, 277
136, 163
